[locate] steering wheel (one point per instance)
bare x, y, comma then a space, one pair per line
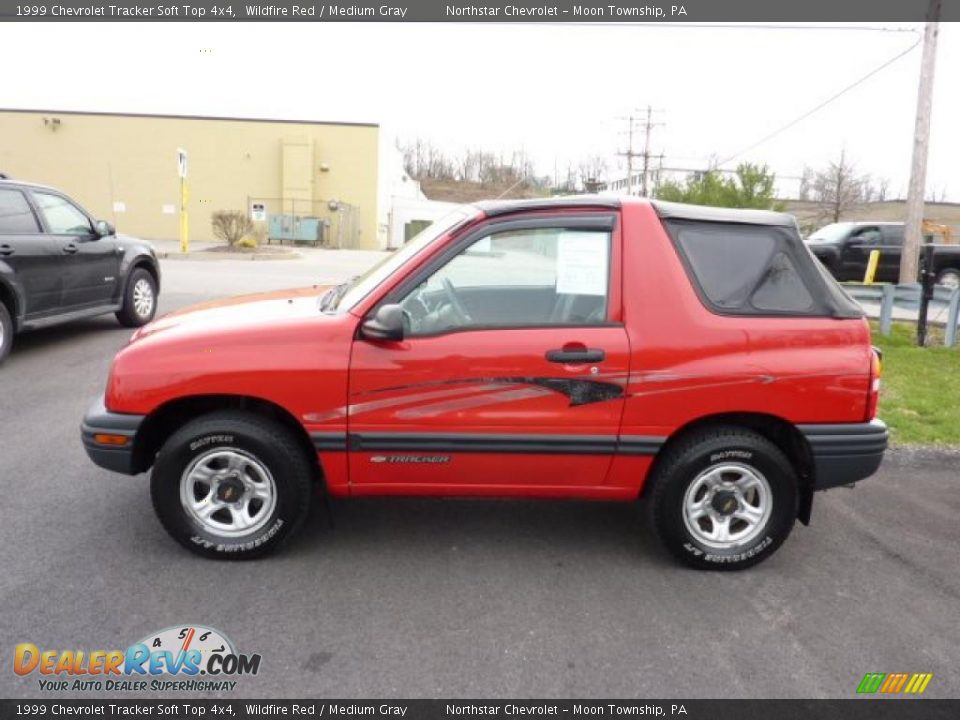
455, 303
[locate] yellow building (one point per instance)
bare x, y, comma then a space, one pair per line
296, 179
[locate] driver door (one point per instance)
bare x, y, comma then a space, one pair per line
510, 377
856, 254
90, 264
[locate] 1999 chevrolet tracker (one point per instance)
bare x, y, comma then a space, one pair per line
584, 347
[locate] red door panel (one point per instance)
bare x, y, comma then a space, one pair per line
485, 411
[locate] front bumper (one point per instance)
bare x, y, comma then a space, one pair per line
845, 453
100, 421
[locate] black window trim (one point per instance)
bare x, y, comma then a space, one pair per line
821, 306
604, 221
33, 211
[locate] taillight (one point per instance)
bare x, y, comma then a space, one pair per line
873, 394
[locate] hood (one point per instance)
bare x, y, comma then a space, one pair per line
238, 313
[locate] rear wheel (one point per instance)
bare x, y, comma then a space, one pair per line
139, 299
6, 332
231, 485
723, 499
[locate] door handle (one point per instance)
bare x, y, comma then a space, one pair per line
6, 250
574, 356
70, 249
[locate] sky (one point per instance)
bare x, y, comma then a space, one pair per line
560, 92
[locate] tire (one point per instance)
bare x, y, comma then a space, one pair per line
139, 299
6, 332
949, 277
699, 472
249, 459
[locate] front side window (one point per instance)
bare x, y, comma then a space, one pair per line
358, 288
15, 214
62, 216
867, 236
516, 278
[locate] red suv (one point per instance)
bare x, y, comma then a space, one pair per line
585, 347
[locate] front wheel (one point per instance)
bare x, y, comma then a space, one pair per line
139, 299
231, 485
723, 499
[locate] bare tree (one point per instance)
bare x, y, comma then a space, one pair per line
422, 159
883, 186
839, 188
592, 171
806, 183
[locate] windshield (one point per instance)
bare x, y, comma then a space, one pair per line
361, 286
830, 233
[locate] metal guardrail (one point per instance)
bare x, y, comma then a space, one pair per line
907, 297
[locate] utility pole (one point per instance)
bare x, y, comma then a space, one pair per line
629, 153
909, 260
646, 153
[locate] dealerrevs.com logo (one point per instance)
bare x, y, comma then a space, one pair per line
180, 658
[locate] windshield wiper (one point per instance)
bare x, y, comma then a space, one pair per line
331, 296
330, 299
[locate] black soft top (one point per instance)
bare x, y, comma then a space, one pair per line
492, 208
680, 211
753, 262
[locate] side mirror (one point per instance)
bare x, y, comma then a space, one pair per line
385, 324
104, 228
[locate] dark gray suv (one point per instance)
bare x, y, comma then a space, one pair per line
57, 264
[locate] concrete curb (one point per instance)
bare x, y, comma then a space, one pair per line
213, 256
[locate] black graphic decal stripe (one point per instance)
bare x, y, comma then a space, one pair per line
580, 391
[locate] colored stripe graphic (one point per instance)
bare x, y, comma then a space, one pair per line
871, 682
894, 683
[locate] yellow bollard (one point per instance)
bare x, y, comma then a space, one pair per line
184, 222
871, 267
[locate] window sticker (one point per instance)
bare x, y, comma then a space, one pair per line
582, 263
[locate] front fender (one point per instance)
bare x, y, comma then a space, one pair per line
134, 256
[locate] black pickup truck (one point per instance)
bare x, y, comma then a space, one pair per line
57, 264
844, 248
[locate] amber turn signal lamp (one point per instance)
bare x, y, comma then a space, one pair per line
102, 439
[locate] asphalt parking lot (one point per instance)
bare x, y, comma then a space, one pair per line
454, 598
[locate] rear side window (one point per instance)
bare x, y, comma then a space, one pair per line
15, 214
892, 234
746, 269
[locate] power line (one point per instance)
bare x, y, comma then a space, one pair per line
823, 104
